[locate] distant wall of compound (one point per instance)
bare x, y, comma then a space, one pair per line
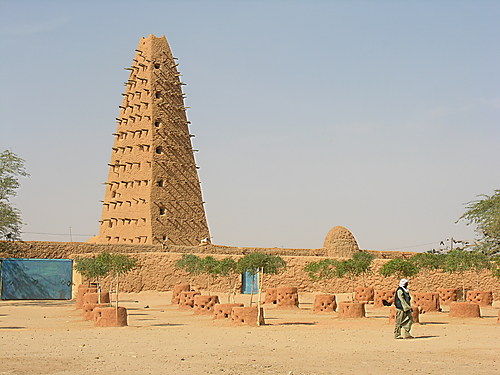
156, 267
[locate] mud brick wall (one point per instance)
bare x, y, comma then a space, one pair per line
156, 268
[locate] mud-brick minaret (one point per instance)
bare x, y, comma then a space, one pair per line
153, 194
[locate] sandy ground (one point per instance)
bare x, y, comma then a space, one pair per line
49, 337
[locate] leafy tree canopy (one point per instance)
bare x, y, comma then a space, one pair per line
428, 261
322, 269
11, 168
189, 263
254, 262
399, 267
485, 213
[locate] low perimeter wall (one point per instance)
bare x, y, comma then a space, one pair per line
156, 270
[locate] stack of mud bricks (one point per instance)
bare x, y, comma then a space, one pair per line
351, 310
186, 299
247, 315
382, 296
82, 290
415, 314
287, 298
176, 293
93, 300
110, 317
204, 305
271, 296
324, 303
465, 310
427, 302
483, 299
447, 296
224, 310
364, 294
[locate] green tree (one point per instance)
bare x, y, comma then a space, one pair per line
426, 262
358, 265
94, 269
228, 267
322, 269
458, 261
11, 168
209, 266
479, 263
189, 263
260, 264
495, 267
119, 264
485, 213
399, 267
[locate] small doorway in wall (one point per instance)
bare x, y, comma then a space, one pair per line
247, 281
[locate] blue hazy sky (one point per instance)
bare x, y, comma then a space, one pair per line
380, 116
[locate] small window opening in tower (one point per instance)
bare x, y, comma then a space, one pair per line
157, 124
157, 66
164, 238
157, 95
158, 150
159, 183
162, 211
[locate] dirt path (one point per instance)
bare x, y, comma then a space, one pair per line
49, 337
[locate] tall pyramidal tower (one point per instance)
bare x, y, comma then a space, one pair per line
153, 193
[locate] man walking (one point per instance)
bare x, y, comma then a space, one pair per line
404, 318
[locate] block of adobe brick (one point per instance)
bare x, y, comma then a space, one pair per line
364, 294
186, 299
447, 296
93, 297
110, 317
247, 316
428, 302
82, 290
324, 303
177, 291
204, 305
351, 310
383, 295
287, 298
482, 298
415, 314
224, 310
88, 310
271, 296
465, 310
